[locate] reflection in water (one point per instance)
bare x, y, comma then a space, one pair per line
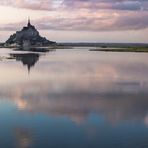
23, 137
112, 87
115, 106
28, 59
83, 100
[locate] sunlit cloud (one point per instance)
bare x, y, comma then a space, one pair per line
76, 15
85, 21
32, 4
88, 4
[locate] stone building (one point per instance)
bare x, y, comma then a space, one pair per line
28, 37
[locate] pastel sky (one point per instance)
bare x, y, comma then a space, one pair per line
78, 20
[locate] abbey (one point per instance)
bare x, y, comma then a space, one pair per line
28, 37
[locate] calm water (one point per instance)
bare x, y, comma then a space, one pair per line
73, 99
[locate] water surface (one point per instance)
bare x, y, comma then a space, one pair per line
73, 99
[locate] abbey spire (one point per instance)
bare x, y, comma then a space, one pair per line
29, 24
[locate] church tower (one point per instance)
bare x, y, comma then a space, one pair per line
29, 24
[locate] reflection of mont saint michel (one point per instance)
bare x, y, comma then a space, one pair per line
29, 59
28, 37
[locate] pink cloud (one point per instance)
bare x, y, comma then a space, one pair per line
85, 4
90, 15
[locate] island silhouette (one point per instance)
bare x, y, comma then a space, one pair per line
28, 37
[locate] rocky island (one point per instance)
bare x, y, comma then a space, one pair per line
28, 37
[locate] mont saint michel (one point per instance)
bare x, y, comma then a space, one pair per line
88, 89
28, 37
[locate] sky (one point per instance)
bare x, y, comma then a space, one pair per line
78, 20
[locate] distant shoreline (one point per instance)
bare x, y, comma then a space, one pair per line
107, 47
122, 50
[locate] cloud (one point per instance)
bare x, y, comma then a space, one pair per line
32, 4
88, 21
84, 15
130, 5
133, 5
129, 21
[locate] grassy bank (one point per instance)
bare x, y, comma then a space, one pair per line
129, 49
